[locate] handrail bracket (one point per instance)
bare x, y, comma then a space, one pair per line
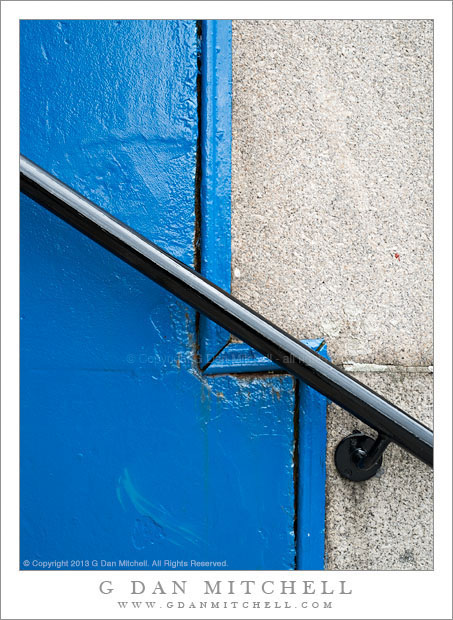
358, 457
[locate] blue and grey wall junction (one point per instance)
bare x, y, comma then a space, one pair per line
282, 160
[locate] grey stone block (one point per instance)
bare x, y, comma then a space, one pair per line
385, 523
332, 182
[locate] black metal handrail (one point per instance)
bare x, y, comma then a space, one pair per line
391, 423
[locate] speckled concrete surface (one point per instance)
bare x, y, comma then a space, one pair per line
332, 237
385, 523
332, 182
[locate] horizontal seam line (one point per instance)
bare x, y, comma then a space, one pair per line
386, 367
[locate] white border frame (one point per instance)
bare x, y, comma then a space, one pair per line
76, 594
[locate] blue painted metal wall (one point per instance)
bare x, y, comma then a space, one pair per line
215, 190
128, 452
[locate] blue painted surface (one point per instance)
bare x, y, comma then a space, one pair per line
311, 453
127, 451
240, 357
312, 475
215, 190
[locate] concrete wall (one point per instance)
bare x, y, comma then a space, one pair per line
332, 237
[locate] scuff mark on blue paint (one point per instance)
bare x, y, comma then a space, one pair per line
44, 53
157, 515
120, 496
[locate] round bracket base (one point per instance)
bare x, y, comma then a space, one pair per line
349, 453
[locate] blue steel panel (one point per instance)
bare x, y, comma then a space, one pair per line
110, 107
311, 453
111, 477
215, 190
311, 497
127, 453
254, 439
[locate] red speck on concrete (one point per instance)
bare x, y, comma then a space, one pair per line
397, 256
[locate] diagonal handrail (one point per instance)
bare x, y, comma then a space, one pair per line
391, 423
